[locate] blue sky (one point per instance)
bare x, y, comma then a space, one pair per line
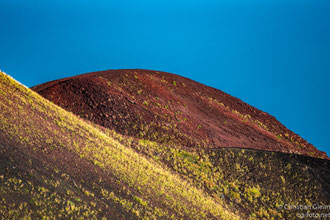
274, 55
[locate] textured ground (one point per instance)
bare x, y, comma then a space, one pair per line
56, 165
171, 109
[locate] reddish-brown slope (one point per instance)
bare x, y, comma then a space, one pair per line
171, 109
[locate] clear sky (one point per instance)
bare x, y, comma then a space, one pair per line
274, 54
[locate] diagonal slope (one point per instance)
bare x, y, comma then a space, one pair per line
79, 151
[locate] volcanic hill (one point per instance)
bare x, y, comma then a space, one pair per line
152, 154
173, 110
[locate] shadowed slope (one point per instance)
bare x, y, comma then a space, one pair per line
170, 109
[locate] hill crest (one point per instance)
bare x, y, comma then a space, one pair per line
156, 105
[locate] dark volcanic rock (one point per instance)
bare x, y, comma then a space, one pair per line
171, 109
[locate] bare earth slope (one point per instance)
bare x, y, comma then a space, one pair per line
171, 109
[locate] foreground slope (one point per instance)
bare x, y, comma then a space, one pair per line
170, 109
55, 165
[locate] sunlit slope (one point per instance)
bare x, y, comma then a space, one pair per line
57, 165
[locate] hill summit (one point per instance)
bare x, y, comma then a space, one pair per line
173, 110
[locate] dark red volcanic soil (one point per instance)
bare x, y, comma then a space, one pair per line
171, 109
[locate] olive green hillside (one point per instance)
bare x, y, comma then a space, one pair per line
56, 165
